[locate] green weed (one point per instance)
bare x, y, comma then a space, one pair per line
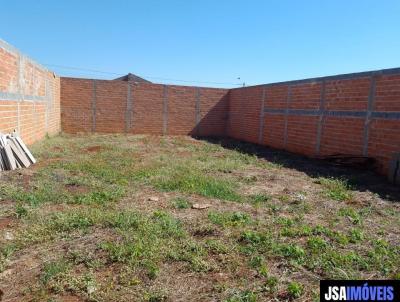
271, 284
336, 189
258, 199
21, 211
317, 244
295, 290
258, 263
53, 269
351, 214
229, 218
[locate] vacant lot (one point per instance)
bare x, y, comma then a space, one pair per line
116, 218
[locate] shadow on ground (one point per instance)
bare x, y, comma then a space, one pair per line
359, 179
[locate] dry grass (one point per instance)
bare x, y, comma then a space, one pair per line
110, 218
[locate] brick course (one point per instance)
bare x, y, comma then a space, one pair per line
155, 108
356, 114
29, 96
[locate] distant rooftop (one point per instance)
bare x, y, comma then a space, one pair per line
130, 77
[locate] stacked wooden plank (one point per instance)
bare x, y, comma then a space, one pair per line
14, 154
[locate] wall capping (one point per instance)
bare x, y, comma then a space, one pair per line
345, 76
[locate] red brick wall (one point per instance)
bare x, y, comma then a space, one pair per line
323, 116
213, 112
147, 108
384, 134
29, 96
274, 124
244, 113
104, 106
355, 114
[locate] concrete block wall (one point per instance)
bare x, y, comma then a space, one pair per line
106, 106
356, 114
29, 96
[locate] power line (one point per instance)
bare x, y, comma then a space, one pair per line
150, 77
82, 69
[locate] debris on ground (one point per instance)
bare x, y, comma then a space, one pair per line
8, 236
198, 206
347, 160
14, 154
299, 197
153, 198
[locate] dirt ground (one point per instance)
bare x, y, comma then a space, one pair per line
148, 218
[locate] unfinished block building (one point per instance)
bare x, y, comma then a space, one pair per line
356, 114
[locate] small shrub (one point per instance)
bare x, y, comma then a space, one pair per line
284, 221
5, 253
21, 211
356, 235
271, 284
292, 251
316, 244
253, 237
295, 290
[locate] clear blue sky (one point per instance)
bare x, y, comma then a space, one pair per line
204, 40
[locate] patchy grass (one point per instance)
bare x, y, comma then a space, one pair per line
259, 199
187, 180
181, 203
80, 225
229, 218
244, 296
53, 269
334, 188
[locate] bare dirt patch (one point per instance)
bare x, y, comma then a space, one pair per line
6, 222
70, 298
45, 162
94, 149
76, 188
